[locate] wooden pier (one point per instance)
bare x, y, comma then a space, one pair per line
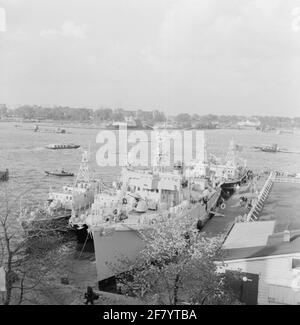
221, 225
262, 208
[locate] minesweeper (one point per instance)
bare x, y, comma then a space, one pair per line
57, 210
143, 198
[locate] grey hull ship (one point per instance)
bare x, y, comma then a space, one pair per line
140, 200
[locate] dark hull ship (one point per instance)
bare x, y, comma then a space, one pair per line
4, 175
230, 185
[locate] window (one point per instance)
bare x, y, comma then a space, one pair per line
296, 263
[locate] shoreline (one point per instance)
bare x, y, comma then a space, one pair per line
89, 125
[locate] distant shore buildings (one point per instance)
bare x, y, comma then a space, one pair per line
248, 124
143, 118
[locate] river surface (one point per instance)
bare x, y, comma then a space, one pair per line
23, 152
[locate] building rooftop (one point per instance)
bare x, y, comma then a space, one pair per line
281, 213
249, 234
270, 249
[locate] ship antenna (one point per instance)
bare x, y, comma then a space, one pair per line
230, 157
83, 174
160, 154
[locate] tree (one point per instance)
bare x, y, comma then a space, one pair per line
158, 117
196, 117
183, 119
27, 259
3, 110
103, 114
178, 264
118, 115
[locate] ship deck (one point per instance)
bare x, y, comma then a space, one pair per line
146, 219
135, 221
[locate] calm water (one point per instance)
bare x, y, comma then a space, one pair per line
24, 153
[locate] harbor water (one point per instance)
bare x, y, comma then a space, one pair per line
23, 152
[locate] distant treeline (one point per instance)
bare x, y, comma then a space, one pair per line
65, 113
212, 121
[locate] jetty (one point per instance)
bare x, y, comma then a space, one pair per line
225, 218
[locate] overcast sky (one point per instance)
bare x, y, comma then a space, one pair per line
196, 56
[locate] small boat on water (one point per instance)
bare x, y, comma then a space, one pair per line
58, 130
4, 175
270, 148
61, 173
62, 146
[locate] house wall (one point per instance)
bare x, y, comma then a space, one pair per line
276, 278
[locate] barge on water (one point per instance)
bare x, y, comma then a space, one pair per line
61, 173
271, 148
62, 146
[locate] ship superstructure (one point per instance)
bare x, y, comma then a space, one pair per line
78, 196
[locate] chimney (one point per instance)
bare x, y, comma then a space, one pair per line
286, 236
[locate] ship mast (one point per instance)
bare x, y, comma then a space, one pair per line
201, 160
83, 174
159, 162
230, 157
202, 153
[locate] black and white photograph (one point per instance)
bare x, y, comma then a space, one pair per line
149, 155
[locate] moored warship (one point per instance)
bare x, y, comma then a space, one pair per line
55, 213
141, 199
